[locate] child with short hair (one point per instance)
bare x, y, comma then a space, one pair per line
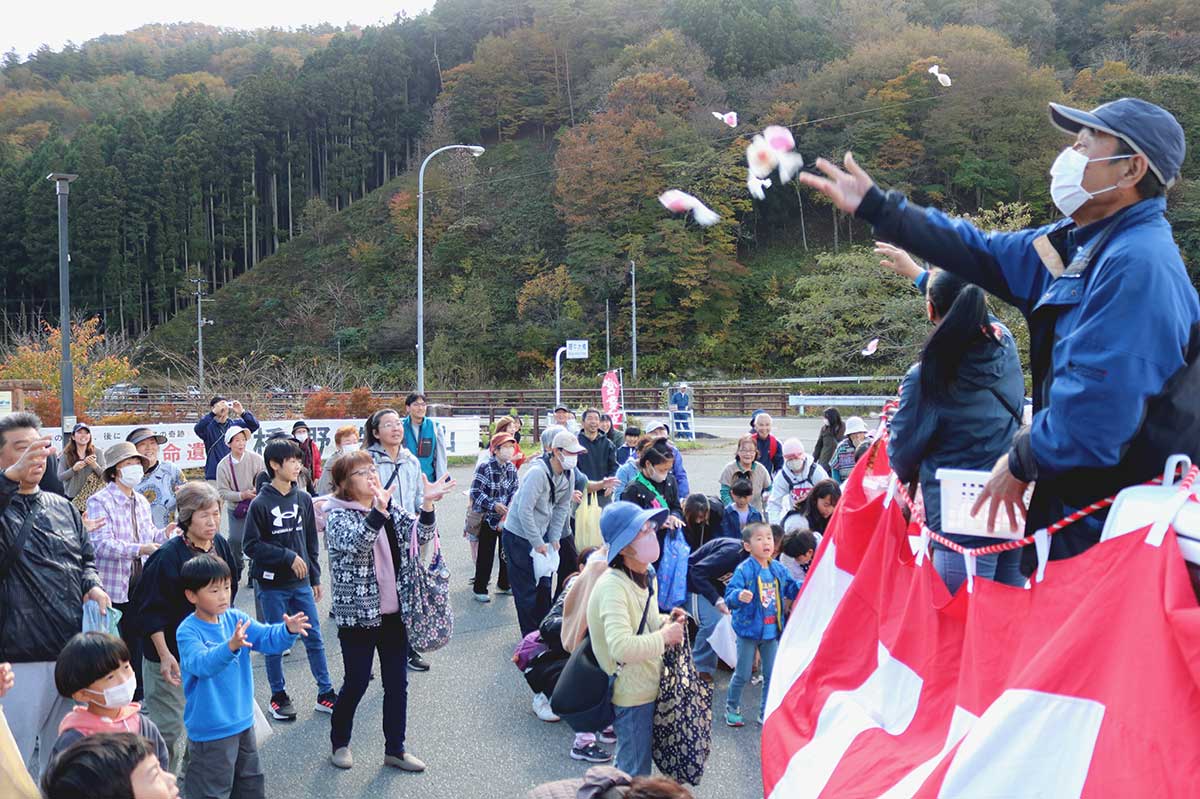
281, 541
109, 765
796, 553
94, 670
218, 684
629, 450
740, 512
755, 597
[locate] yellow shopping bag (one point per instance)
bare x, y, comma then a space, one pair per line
15, 781
587, 523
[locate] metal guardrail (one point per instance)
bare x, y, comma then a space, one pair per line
771, 381
801, 401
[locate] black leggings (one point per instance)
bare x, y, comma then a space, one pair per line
359, 645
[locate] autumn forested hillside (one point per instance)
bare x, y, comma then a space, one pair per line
279, 167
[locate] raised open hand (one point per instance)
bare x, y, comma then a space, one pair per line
845, 188
897, 260
239, 640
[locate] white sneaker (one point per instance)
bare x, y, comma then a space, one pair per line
541, 708
484, 598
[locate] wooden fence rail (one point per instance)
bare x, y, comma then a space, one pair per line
729, 399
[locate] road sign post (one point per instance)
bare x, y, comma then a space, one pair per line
576, 350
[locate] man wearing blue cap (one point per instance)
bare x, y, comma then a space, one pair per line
1114, 321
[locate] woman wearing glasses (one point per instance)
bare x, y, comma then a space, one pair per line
367, 535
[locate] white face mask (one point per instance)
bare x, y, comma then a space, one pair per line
130, 476
506, 454
301, 435
1066, 180
569, 461
119, 695
350, 447
796, 464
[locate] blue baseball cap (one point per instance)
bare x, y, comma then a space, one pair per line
621, 522
1147, 128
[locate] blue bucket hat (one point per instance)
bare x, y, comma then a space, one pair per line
621, 522
1148, 129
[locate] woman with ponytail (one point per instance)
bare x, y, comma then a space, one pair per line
959, 409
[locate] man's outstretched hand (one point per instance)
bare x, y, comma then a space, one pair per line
845, 188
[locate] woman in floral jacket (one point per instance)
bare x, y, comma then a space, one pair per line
367, 535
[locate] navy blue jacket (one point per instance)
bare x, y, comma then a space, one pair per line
970, 428
212, 433
731, 523
708, 564
1110, 311
770, 453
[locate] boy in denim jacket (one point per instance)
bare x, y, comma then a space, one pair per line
755, 597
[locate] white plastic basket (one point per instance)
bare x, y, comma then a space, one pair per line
960, 489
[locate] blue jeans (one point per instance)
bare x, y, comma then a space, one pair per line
634, 727
707, 616
1003, 567
531, 597
746, 647
275, 603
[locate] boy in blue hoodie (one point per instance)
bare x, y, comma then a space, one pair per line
281, 541
755, 597
218, 686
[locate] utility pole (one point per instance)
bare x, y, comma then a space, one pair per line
62, 186
200, 323
633, 310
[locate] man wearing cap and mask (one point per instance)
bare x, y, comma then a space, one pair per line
1114, 321
160, 479
536, 520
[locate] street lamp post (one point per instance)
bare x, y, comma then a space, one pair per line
62, 185
476, 151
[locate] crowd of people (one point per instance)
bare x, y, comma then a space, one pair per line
161, 684
162, 653
162, 559
600, 591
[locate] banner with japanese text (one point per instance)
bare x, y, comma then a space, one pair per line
185, 449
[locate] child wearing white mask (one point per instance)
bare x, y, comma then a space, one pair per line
94, 670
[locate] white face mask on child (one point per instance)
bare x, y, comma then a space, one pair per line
119, 695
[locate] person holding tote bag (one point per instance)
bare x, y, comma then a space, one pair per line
370, 559
628, 635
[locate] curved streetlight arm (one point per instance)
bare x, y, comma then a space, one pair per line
477, 151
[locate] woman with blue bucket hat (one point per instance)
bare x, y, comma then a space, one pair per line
627, 632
